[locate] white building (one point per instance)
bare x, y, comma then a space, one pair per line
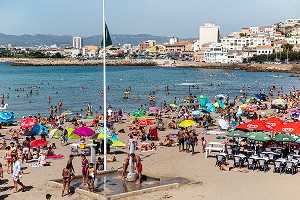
264, 50
77, 42
209, 33
239, 43
292, 21
219, 53
173, 40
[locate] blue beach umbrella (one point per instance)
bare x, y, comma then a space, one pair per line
38, 128
6, 117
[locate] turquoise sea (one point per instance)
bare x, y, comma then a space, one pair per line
65, 84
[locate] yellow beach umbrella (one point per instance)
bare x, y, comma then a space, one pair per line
187, 123
117, 143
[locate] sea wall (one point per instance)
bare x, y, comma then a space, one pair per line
291, 68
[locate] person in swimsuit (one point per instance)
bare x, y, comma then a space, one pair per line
66, 180
224, 167
8, 159
139, 166
181, 139
72, 171
91, 176
16, 174
125, 165
84, 165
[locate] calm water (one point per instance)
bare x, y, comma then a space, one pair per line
64, 83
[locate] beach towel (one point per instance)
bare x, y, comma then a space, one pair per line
55, 156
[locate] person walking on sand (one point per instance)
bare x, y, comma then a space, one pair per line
139, 167
66, 180
17, 174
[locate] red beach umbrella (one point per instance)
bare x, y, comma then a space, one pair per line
145, 122
274, 121
84, 132
28, 122
289, 127
255, 125
38, 143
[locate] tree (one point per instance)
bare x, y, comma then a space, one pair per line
287, 47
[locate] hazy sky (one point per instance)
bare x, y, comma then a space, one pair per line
180, 18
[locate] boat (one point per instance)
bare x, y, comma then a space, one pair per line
3, 107
293, 75
276, 76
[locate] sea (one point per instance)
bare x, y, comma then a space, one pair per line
76, 86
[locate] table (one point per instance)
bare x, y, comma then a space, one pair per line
296, 156
270, 152
259, 158
241, 156
210, 149
211, 144
222, 154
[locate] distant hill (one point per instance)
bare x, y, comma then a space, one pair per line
66, 40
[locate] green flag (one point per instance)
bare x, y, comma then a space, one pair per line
108, 41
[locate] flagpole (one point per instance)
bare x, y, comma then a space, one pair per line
104, 87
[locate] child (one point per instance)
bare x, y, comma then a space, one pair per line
91, 175
203, 143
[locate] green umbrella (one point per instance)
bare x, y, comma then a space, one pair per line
283, 138
173, 105
298, 140
139, 113
259, 136
237, 133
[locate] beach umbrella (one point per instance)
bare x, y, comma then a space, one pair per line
139, 113
259, 136
101, 136
7, 117
203, 100
283, 138
255, 125
38, 143
71, 134
297, 141
237, 133
55, 133
84, 132
29, 122
289, 127
145, 122
279, 102
258, 96
154, 109
117, 143
173, 105
274, 121
187, 123
38, 128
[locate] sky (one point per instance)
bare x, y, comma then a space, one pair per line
180, 18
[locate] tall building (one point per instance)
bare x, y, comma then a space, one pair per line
209, 33
77, 42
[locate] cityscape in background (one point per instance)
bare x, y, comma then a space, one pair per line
277, 43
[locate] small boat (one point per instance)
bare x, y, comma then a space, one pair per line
276, 76
293, 75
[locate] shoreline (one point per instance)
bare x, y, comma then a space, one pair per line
282, 68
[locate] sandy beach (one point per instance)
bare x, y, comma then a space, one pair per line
206, 180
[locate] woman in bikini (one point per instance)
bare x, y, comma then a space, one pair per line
66, 180
8, 159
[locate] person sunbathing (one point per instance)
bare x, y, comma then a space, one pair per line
167, 141
224, 167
